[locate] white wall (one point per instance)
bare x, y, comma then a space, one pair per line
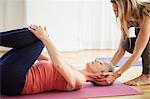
61, 19
75, 24
72, 24
12, 14
2, 14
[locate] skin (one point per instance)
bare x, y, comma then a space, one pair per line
143, 36
92, 71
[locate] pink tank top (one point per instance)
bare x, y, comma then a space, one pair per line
43, 76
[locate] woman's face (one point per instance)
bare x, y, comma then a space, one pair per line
95, 66
115, 8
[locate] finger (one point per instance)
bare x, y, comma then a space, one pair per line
40, 27
109, 81
93, 76
107, 73
102, 79
101, 76
100, 73
31, 29
30, 25
35, 26
102, 83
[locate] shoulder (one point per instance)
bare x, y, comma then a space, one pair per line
145, 22
144, 27
69, 88
79, 82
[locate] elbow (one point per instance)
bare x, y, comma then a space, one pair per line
76, 84
80, 81
121, 51
72, 84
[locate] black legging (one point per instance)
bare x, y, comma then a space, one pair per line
145, 55
15, 64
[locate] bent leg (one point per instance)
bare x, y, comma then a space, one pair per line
6, 54
17, 38
15, 65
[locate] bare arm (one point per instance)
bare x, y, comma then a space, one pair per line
74, 78
119, 54
140, 44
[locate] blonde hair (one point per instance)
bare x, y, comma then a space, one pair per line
132, 13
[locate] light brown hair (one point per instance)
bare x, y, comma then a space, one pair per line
132, 13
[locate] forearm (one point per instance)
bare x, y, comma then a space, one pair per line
53, 52
120, 51
134, 57
117, 56
138, 50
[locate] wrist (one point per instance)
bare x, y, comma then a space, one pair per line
44, 39
111, 64
118, 73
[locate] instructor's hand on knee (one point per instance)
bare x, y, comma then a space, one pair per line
39, 31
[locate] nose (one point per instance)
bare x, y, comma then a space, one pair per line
97, 61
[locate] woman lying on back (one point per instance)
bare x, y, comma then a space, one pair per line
24, 70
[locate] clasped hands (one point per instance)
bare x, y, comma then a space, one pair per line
104, 78
39, 31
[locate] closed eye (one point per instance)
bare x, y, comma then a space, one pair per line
98, 62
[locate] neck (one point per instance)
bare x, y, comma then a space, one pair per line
88, 75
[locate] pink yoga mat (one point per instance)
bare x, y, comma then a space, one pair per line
89, 90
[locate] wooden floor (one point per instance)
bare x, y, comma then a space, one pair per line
79, 59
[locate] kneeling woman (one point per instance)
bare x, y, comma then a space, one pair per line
24, 70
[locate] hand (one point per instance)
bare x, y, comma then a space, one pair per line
38, 31
96, 76
110, 79
107, 79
